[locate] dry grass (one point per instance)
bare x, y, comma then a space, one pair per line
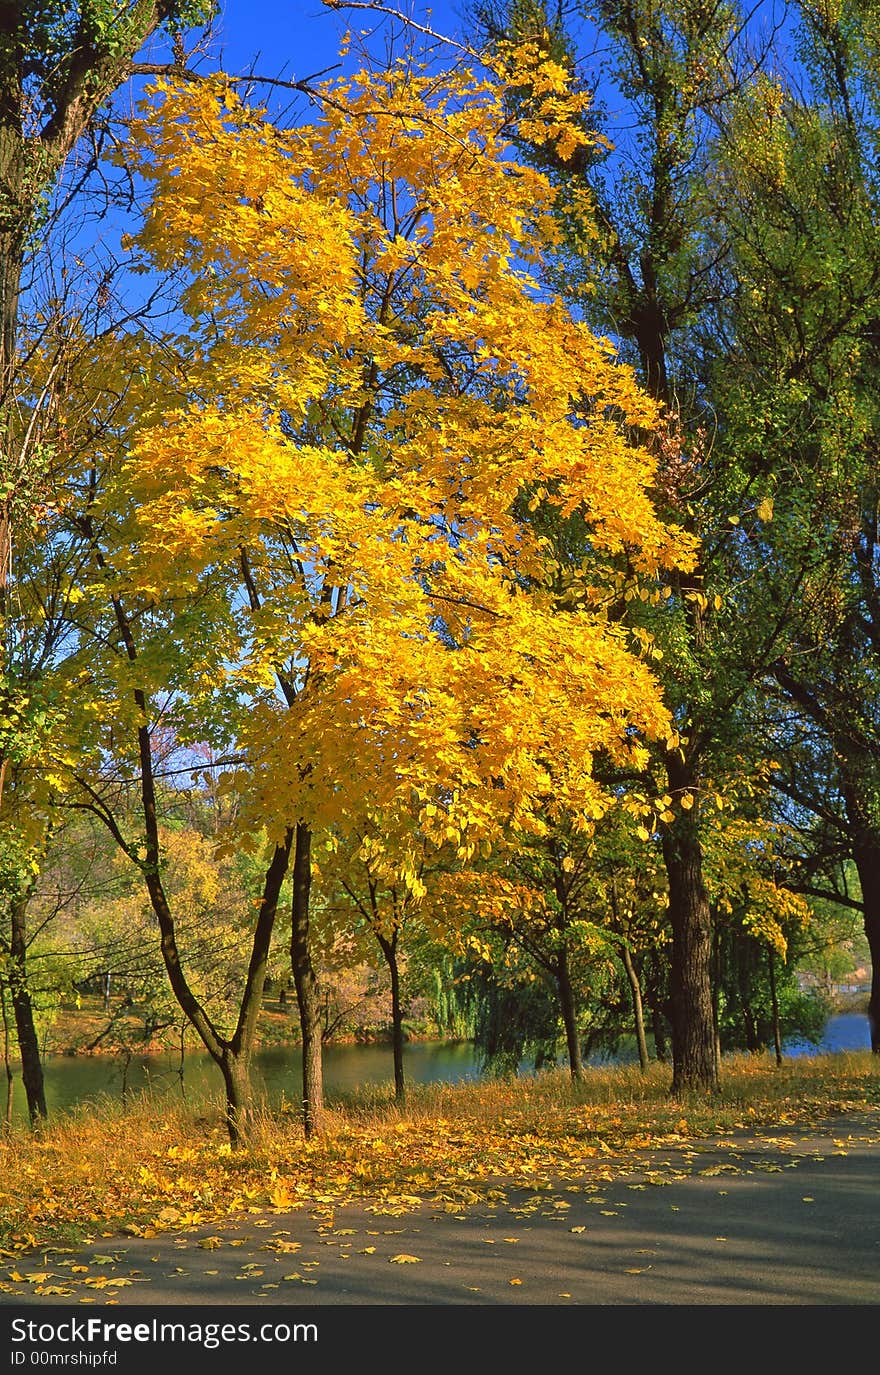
155, 1164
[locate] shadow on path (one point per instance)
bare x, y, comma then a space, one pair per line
769, 1220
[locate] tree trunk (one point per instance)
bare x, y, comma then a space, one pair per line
389, 950
693, 1029
7, 1063
23, 1009
657, 1002
307, 988
638, 1012
716, 992
774, 1004
866, 852
860, 794
235, 1069
744, 950
569, 1015
231, 1056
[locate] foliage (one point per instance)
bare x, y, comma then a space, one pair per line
386, 356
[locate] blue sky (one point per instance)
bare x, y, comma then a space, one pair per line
296, 38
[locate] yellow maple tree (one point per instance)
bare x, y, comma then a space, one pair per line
375, 395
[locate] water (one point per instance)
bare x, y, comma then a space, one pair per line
277, 1072
844, 1031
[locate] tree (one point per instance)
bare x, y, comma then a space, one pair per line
798, 388
655, 275
59, 63
58, 66
339, 468
376, 877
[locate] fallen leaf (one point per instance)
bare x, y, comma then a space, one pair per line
405, 1260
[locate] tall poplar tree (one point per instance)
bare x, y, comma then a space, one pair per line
647, 277
797, 385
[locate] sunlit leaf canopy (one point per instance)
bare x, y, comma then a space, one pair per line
346, 447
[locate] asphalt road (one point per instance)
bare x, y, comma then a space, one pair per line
779, 1219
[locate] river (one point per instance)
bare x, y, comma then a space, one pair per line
71, 1080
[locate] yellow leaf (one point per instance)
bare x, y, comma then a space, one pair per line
405, 1260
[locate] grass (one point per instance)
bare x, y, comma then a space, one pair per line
155, 1164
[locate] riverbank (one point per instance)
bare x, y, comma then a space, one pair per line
88, 1028
81, 1029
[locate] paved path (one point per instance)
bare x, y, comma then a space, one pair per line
772, 1220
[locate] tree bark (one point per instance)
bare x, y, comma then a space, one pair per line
7, 1063
638, 1011
774, 1004
866, 853
657, 1003
307, 986
860, 796
694, 1068
23, 1010
389, 950
569, 1015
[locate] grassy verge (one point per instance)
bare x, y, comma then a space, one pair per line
155, 1165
